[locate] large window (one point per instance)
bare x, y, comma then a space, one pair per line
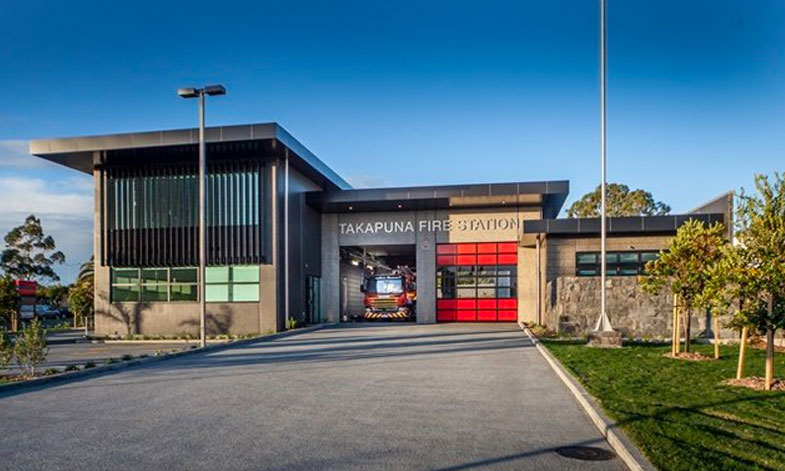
476, 282
153, 284
628, 263
232, 284
223, 284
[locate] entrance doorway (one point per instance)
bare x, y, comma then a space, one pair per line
378, 283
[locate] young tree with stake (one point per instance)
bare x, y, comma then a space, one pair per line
759, 265
685, 267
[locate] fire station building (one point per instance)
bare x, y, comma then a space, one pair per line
288, 237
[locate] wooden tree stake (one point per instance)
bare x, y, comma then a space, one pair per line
742, 353
716, 320
677, 329
769, 358
675, 333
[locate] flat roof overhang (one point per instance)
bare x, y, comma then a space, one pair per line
638, 225
550, 196
79, 153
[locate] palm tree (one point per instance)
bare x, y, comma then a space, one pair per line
86, 272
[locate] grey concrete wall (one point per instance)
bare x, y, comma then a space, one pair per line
178, 318
426, 271
574, 304
331, 259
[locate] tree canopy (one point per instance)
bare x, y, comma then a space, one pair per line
687, 267
620, 202
29, 253
759, 259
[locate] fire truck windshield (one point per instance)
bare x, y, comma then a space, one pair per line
385, 285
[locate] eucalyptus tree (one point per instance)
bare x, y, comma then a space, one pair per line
30, 254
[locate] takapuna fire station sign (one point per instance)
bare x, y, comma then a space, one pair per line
478, 224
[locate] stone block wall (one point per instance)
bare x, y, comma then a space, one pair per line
573, 304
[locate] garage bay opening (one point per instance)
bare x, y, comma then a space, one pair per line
378, 283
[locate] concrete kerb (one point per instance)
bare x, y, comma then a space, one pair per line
621, 444
97, 370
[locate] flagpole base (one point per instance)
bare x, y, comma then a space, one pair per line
605, 339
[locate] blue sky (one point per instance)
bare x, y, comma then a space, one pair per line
458, 91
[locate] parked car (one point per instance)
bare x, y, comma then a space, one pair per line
43, 311
26, 312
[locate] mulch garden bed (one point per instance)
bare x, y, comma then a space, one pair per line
756, 382
691, 356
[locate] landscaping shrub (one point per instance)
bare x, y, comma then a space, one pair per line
292, 323
89, 364
6, 350
30, 348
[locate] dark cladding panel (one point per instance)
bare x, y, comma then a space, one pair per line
589, 224
152, 214
625, 224
565, 226
659, 224
535, 226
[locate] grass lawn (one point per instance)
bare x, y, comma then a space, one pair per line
677, 411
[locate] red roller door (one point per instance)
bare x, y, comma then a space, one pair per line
477, 282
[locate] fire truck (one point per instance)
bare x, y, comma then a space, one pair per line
391, 296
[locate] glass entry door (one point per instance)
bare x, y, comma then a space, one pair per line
313, 299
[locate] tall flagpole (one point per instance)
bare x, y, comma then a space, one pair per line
603, 323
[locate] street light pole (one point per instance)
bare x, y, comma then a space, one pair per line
201, 93
603, 323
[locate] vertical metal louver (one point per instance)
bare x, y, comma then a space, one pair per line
151, 214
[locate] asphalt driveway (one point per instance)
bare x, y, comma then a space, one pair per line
439, 397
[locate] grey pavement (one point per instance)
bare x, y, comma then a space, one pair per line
374, 397
70, 348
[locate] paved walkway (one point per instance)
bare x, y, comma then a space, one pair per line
439, 397
70, 348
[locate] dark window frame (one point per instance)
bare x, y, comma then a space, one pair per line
614, 267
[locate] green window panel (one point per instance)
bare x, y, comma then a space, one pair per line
217, 293
222, 284
125, 293
155, 275
245, 274
184, 275
125, 275
152, 293
179, 292
245, 292
217, 275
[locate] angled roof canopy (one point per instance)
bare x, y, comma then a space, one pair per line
548, 195
79, 152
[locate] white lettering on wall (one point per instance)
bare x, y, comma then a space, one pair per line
431, 225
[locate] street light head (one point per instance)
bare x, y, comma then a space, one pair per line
215, 90
188, 92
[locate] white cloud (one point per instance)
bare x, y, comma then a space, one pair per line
16, 153
37, 196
